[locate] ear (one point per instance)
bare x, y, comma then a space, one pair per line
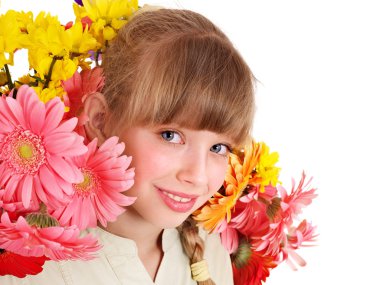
95, 107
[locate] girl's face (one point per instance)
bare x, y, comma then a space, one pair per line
177, 171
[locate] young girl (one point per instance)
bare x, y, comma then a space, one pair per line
180, 97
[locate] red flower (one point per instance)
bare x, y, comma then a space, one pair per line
250, 267
78, 87
18, 265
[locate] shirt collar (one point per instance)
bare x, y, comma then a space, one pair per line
114, 245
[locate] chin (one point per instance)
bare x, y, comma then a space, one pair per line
171, 223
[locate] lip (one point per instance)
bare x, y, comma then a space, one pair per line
177, 206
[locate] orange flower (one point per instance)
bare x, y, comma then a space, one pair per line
218, 208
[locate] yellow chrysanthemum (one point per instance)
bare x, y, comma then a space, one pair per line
81, 40
47, 35
238, 175
11, 37
266, 173
63, 68
48, 40
25, 79
24, 19
108, 16
46, 94
51, 45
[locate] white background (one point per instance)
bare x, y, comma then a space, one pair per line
318, 67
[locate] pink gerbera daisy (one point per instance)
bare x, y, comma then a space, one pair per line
302, 235
99, 196
54, 242
34, 147
299, 197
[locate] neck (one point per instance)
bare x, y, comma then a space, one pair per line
130, 225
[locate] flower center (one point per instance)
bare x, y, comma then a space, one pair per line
41, 220
242, 255
90, 183
23, 151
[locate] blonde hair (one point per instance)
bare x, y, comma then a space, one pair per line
192, 244
175, 66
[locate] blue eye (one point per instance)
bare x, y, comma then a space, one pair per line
171, 136
220, 149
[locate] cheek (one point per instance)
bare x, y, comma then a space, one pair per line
217, 176
150, 162
216, 179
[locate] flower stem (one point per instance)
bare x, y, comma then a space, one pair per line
9, 78
48, 78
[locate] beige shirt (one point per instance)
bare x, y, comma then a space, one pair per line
118, 264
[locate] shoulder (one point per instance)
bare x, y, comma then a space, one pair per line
218, 258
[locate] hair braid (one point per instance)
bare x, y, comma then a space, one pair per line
192, 244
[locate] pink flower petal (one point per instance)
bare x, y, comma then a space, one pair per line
65, 169
58, 142
27, 188
49, 183
57, 243
65, 213
66, 126
77, 148
6, 174
5, 126
26, 96
230, 239
92, 213
66, 186
54, 115
6, 111
36, 116
16, 110
109, 144
92, 80
11, 186
82, 207
39, 190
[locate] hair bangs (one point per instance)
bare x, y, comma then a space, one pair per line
199, 90
192, 76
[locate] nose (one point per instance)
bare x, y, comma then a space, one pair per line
193, 168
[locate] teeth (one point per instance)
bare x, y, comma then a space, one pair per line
177, 198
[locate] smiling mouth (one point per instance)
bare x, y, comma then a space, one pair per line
178, 202
176, 198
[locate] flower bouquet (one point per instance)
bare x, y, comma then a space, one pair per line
54, 183
255, 215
